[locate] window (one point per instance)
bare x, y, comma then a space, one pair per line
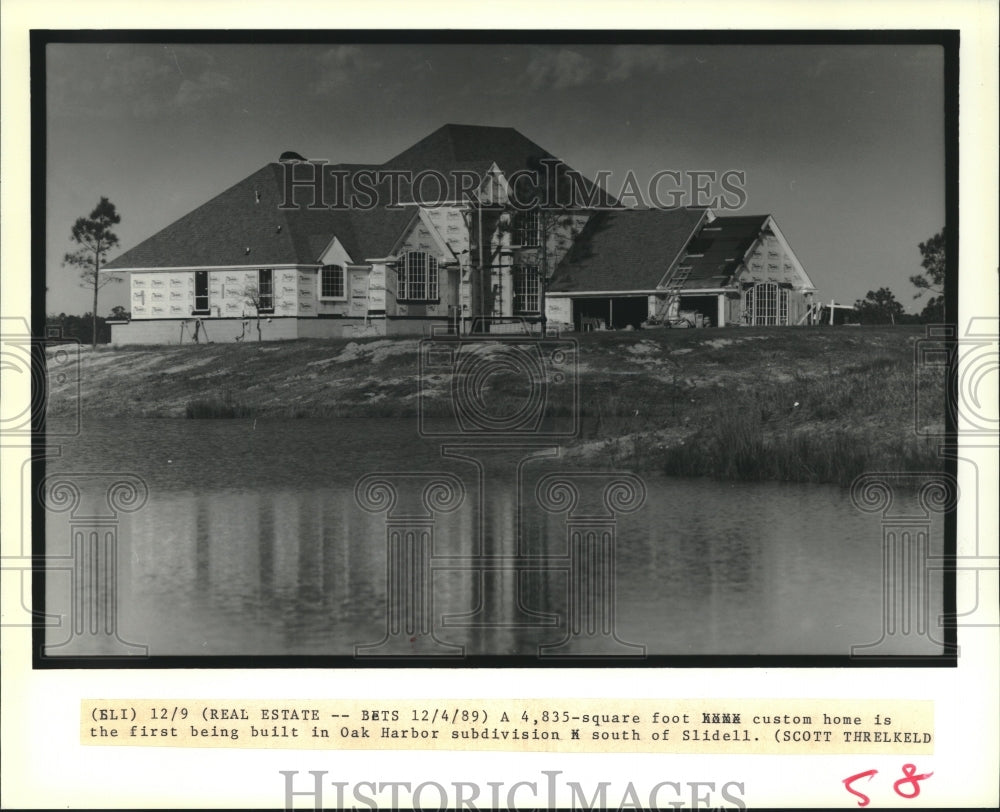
331, 282
201, 291
525, 229
418, 277
765, 304
527, 289
265, 291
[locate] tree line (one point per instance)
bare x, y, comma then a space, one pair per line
83, 328
881, 306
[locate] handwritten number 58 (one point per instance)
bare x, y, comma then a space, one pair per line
910, 777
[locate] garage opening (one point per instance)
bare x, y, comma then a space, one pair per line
707, 308
613, 312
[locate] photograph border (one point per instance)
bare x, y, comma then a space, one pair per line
949, 40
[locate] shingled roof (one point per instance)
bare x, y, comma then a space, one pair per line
630, 249
247, 215
455, 147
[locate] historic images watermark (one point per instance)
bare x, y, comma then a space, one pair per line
968, 364
44, 363
89, 565
93, 561
547, 791
550, 185
906, 503
478, 426
964, 371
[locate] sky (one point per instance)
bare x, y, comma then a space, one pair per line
843, 144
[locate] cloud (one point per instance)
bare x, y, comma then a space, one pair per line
140, 82
134, 74
341, 65
628, 60
564, 68
558, 69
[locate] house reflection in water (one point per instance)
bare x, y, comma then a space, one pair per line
304, 571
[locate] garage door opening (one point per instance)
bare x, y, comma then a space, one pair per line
707, 306
613, 312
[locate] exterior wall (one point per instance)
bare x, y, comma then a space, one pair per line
768, 262
365, 290
652, 305
223, 331
465, 282
219, 331
734, 309
503, 258
798, 301
413, 327
160, 295
450, 226
306, 291
341, 328
170, 294
559, 310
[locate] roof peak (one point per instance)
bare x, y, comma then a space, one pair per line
474, 126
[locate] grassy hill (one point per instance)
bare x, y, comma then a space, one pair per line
801, 404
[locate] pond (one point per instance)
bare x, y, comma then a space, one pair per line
254, 537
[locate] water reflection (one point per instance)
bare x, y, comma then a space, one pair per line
701, 568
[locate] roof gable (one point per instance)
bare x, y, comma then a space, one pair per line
716, 252
806, 282
721, 250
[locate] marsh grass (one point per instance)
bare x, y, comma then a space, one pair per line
827, 428
226, 406
811, 404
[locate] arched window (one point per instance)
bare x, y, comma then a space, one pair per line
417, 273
331, 282
765, 303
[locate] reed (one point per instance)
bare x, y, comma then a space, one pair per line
810, 405
226, 407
